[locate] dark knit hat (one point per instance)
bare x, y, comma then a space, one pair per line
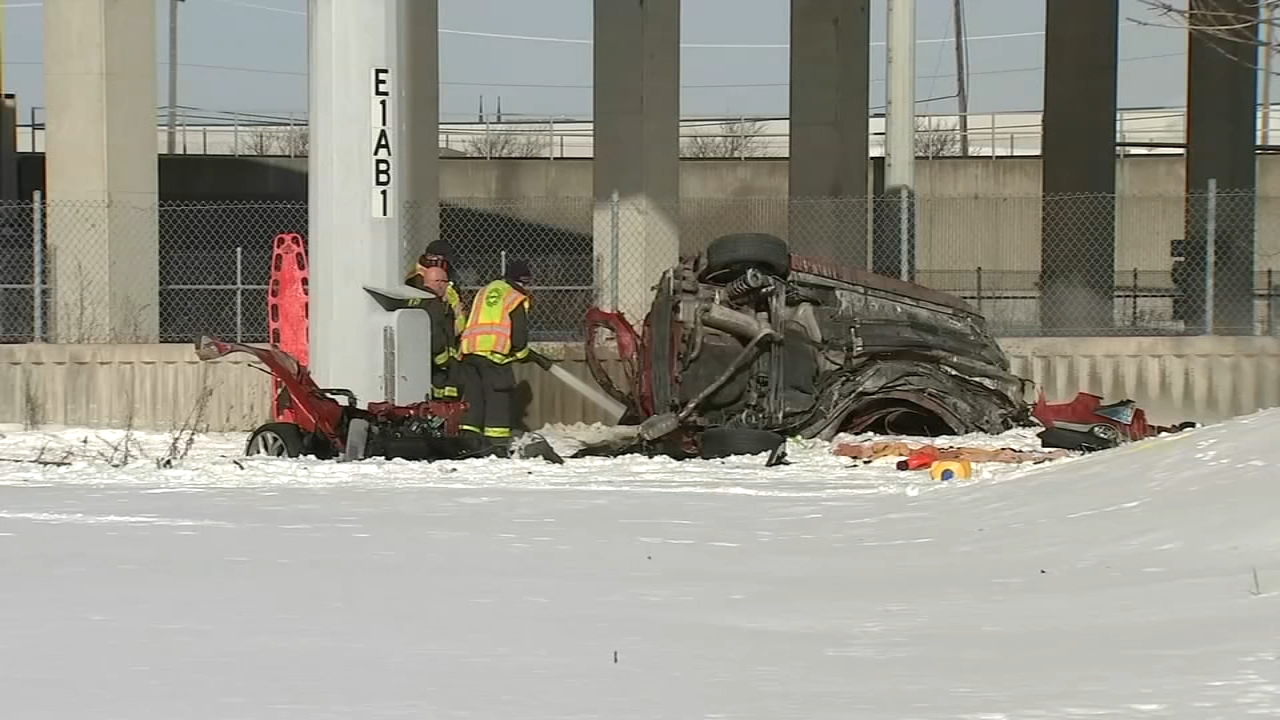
439, 247
518, 272
439, 253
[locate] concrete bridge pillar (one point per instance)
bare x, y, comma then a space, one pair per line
637, 147
372, 173
830, 89
101, 170
1078, 248
1222, 136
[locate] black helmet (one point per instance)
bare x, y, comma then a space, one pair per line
440, 248
518, 272
439, 253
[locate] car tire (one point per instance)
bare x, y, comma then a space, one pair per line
275, 440
1110, 433
727, 442
731, 255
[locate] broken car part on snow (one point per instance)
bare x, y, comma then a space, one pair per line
746, 344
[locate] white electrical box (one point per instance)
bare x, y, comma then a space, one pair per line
406, 345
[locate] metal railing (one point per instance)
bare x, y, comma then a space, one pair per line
201, 132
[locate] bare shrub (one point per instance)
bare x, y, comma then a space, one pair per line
516, 141
739, 139
182, 438
936, 138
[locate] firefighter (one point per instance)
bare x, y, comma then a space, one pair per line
496, 336
439, 253
445, 374
435, 273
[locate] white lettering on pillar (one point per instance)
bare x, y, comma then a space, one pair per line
382, 154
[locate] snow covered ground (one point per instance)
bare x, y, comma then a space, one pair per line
1139, 582
97, 457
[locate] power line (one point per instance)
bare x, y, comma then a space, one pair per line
718, 46
574, 86
584, 41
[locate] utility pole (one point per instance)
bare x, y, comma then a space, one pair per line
962, 83
900, 90
33, 128
1268, 52
900, 127
173, 75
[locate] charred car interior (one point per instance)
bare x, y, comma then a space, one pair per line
745, 344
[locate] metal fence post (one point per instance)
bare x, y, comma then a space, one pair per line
614, 242
1210, 251
239, 293
904, 240
37, 266
978, 283
1271, 303
1137, 290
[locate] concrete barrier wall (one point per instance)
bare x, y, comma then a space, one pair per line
1206, 379
150, 387
973, 212
155, 387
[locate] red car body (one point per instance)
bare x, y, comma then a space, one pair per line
1119, 421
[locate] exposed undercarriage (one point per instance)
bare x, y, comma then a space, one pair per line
747, 336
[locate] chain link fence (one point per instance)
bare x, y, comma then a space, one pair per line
1070, 265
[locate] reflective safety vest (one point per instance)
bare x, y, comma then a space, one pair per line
488, 330
454, 301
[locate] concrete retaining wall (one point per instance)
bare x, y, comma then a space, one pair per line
155, 387
1207, 379
974, 212
151, 387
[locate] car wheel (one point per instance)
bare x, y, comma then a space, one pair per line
731, 255
726, 442
275, 440
1110, 433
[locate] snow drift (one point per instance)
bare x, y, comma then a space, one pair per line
1137, 582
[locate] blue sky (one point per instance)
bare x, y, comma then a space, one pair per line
250, 56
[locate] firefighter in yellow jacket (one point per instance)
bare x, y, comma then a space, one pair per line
496, 336
436, 258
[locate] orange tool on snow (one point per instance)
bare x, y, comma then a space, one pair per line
924, 457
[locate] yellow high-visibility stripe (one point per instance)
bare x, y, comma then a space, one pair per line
488, 330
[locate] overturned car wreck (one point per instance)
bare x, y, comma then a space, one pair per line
755, 344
